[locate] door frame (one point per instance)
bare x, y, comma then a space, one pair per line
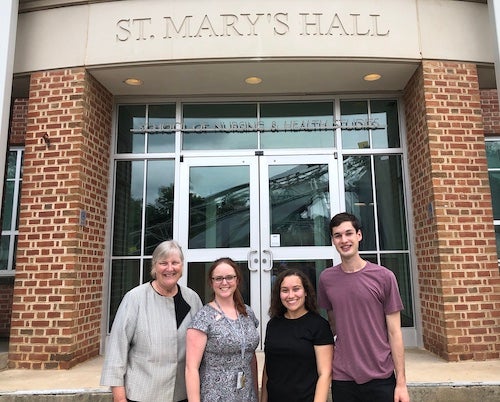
261, 251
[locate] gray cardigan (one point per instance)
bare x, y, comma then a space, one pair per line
146, 352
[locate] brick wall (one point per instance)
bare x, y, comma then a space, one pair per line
6, 292
17, 129
59, 272
455, 242
491, 113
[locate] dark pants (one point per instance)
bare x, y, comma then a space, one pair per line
372, 391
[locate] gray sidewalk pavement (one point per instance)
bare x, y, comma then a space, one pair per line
423, 368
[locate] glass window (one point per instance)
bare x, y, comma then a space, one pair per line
159, 203
161, 123
353, 119
369, 124
384, 119
299, 204
125, 275
297, 125
136, 192
129, 189
493, 157
10, 210
390, 202
220, 126
131, 125
146, 127
374, 193
219, 210
358, 187
400, 265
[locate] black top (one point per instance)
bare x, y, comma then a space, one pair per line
290, 359
181, 306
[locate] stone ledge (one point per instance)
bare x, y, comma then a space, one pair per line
425, 392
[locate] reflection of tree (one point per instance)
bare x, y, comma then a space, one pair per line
354, 169
300, 205
127, 224
159, 218
197, 215
359, 196
221, 219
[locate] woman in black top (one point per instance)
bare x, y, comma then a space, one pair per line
299, 344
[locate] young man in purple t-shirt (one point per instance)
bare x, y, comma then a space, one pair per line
363, 305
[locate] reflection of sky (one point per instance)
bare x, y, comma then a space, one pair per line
206, 181
355, 138
160, 174
137, 180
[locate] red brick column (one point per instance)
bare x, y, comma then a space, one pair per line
455, 241
58, 288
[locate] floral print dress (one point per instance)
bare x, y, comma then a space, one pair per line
223, 360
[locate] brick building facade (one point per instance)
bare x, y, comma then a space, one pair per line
54, 306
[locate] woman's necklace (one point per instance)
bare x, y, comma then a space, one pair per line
241, 379
163, 292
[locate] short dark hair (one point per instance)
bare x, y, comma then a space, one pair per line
277, 309
342, 217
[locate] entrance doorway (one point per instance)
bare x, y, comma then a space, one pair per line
258, 182
266, 212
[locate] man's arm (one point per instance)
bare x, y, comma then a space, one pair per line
393, 321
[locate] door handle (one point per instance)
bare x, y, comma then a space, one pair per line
264, 260
250, 261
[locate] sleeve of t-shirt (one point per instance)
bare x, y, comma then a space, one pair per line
393, 300
324, 334
323, 300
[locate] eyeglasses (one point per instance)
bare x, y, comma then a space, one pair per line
228, 278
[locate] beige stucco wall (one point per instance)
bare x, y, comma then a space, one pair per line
138, 31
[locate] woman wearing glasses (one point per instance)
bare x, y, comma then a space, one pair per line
221, 342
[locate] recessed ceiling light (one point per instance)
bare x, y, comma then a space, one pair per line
133, 81
253, 80
372, 77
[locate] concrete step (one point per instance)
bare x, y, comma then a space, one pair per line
418, 393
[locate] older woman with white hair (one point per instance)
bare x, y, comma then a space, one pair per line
145, 357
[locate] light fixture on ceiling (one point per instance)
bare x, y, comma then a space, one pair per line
372, 77
253, 80
133, 81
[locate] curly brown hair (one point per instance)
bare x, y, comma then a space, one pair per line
277, 309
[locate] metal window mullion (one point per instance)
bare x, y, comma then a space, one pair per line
375, 209
143, 219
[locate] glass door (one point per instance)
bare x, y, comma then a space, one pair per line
268, 213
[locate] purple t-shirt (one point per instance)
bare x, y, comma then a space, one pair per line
359, 302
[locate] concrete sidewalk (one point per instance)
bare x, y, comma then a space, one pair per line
422, 367
425, 371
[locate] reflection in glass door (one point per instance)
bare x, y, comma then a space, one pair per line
267, 213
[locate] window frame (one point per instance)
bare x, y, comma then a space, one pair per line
13, 230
